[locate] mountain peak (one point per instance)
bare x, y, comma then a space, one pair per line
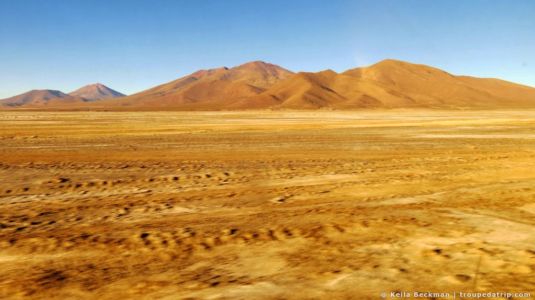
45, 91
255, 63
391, 61
95, 91
259, 65
399, 64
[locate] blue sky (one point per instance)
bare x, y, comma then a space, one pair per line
132, 45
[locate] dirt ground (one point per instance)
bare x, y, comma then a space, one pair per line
265, 205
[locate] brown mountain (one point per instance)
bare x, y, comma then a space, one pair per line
394, 84
425, 86
58, 99
325, 89
259, 85
38, 98
209, 89
95, 92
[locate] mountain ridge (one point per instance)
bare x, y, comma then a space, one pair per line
36, 97
387, 84
96, 91
48, 97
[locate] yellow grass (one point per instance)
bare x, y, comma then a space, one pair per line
265, 205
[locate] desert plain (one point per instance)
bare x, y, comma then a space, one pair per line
265, 204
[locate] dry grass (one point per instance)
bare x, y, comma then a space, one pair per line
265, 205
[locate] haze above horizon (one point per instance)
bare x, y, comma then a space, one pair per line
134, 45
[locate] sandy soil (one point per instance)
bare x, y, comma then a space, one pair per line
265, 205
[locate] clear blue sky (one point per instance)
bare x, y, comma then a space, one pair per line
133, 45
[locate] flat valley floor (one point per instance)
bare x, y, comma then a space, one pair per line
265, 205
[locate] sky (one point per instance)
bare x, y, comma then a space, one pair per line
132, 45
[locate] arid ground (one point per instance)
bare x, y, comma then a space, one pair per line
265, 205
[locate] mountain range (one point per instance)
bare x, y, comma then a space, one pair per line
259, 85
54, 98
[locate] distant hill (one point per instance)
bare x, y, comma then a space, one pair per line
55, 99
259, 85
38, 98
95, 92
